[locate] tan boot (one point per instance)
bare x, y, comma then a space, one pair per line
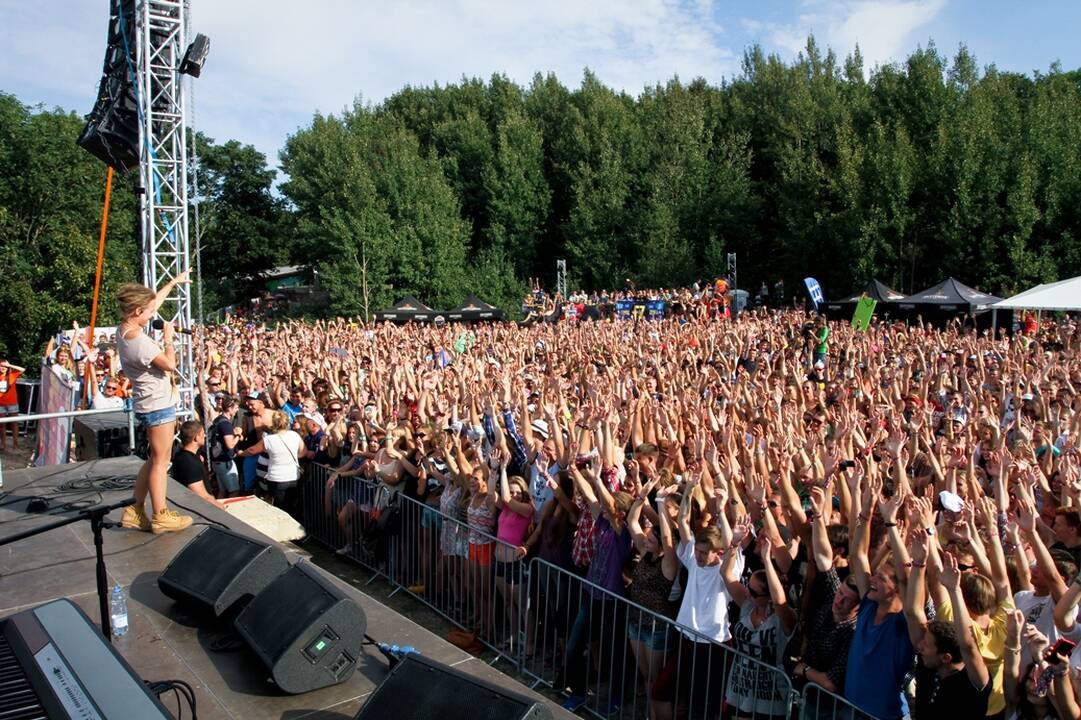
135, 518
169, 521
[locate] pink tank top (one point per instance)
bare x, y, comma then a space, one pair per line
513, 527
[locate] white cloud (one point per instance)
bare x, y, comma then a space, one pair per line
299, 58
884, 29
273, 63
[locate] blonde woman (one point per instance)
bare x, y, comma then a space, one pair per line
282, 446
150, 366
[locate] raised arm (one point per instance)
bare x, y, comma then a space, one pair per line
820, 544
861, 538
776, 589
975, 667
915, 595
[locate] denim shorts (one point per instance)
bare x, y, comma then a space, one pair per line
156, 417
656, 635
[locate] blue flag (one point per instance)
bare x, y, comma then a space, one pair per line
815, 291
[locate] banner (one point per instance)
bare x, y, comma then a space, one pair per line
865, 308
641, 309
815, 291
59, 393
655, 309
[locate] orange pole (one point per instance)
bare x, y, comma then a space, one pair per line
101, 259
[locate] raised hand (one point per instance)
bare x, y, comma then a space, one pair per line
919, 546
950, 576
888, 507
765, 547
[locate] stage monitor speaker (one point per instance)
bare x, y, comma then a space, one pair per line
219, 571
103, 436
304, 629
418, 689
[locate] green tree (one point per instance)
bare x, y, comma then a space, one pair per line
51, 194
242, 225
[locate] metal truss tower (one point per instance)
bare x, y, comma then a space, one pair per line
561, 278
162, 41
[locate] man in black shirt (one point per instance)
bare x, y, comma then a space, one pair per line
188, 468
952, 680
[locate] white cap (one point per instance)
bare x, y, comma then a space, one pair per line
950, 501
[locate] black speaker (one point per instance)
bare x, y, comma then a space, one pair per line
111, 133
104, 436
304, 629
419, 689
219, 571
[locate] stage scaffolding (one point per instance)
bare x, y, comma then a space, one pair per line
163, 194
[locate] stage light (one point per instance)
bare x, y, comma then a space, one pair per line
195, 56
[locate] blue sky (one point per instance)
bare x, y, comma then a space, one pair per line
273, 63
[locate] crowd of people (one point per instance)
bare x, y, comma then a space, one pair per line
893, 515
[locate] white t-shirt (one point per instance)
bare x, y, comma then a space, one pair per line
705, 603
1040, 612
282, 450
151, 388
104, 402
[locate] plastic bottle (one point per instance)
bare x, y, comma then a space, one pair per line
118, 610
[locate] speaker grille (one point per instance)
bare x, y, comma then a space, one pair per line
289, 605
211, 561
421, 690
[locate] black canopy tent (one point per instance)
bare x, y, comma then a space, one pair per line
474, 309
408, 309
950, 295
949, 299
875, 289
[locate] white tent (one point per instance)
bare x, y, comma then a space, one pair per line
1061, 295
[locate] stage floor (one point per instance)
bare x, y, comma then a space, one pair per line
163, 641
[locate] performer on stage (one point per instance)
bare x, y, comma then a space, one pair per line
150, 366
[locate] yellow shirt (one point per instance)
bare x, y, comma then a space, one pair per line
992, 645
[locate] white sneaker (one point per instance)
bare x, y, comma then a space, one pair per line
344, 549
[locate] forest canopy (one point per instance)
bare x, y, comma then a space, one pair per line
907, 172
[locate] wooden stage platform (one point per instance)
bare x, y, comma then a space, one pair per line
163, 641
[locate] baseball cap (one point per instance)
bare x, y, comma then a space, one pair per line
540, 427
950, 501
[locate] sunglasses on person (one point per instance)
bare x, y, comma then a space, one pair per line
213, 384
334, 409
111, 387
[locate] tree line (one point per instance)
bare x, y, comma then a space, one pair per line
908, 172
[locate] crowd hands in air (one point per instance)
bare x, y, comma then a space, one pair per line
896, 503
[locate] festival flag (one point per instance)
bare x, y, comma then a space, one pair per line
815, 291
865, 308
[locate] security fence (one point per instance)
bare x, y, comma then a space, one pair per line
606, 654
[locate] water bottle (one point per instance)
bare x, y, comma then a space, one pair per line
118, 607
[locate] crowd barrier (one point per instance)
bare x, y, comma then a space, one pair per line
558, 630
818, 703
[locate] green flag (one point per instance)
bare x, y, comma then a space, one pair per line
865, 308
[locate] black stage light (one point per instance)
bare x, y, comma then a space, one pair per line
195, 56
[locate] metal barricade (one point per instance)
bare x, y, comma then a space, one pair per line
337, 513
470, 577
624, 660
558, 629
818, 703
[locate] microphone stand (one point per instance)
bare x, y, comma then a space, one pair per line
96, 516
